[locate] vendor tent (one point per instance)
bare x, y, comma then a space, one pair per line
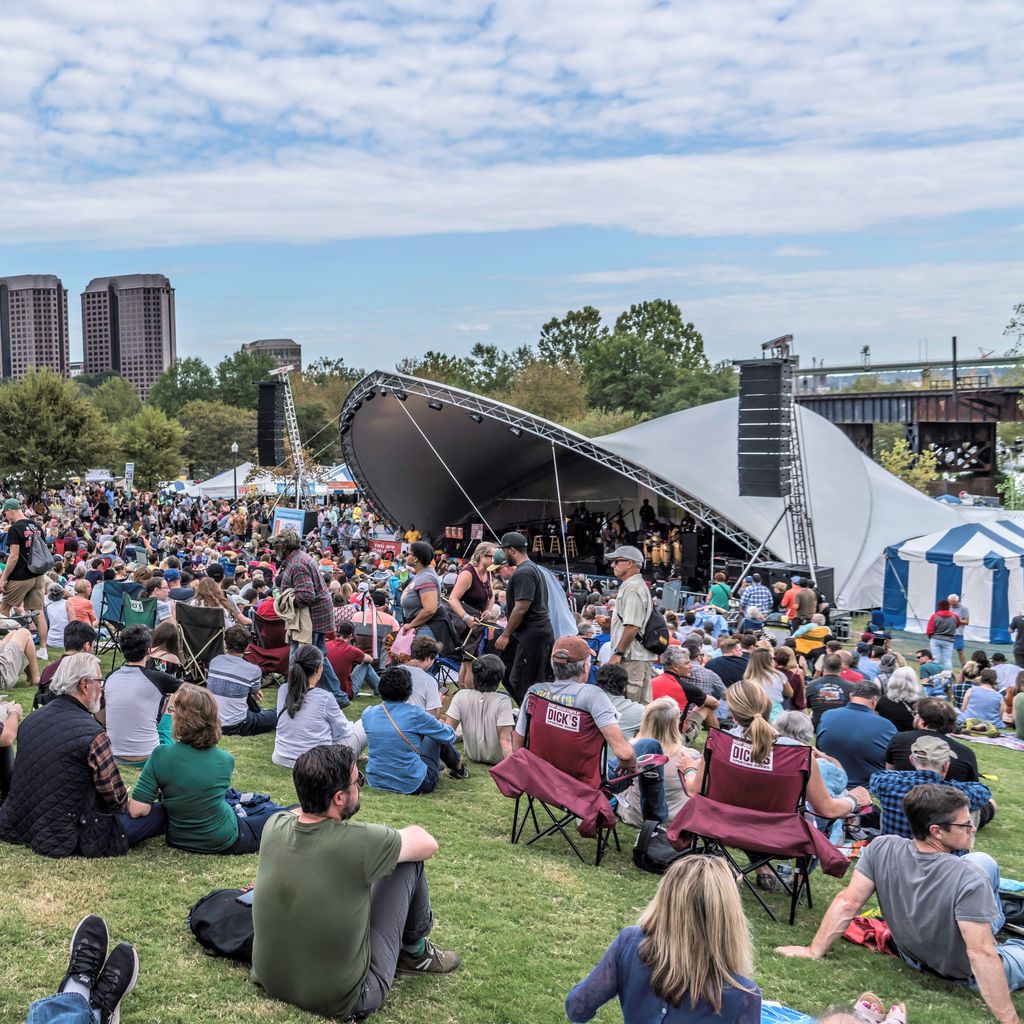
979, 561
339, 479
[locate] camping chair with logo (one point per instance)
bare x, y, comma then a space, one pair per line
269, 649
561, 768
111, 614
135, 611
201, 633
744, 805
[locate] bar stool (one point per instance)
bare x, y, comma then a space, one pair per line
556, 545
570, 547
538, 544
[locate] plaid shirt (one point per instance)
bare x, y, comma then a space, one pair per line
758, 596
892, 787
106, 778
303, 575
710, 682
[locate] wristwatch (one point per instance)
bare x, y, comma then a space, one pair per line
619, 654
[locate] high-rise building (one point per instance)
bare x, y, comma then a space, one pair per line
283, 351
33, 325
128, 326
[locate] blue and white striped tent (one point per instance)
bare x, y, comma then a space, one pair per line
979, 561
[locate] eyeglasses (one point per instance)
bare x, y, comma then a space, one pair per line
968, 825
360, 779
94, 679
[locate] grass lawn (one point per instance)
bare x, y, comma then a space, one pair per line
528, 922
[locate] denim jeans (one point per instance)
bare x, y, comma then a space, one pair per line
364, 673
330, 677
651, 782
66, 1008
942, 652
433, 752
254, 723
138, 830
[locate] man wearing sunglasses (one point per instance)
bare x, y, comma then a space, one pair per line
938, 898
340, 907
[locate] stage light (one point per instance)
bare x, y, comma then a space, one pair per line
436, 406
347, 418
515, 431
357, 406
401, 396
476, 417
370, 395
345, 429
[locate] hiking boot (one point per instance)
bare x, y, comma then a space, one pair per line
431, 961
88, 951
462, 772
116, 980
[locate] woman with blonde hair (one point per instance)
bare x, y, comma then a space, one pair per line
687, 959
470, 600
660, 721
762, 671
210, 595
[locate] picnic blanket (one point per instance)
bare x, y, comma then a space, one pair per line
999, 741
776, 1013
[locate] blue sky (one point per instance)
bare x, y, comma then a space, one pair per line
377, 179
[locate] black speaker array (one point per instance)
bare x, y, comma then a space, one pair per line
270, 423
766, 395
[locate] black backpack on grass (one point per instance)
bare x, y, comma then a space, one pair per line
652, 851
222, 925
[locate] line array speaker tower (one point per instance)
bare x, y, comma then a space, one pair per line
270, 423
765, 428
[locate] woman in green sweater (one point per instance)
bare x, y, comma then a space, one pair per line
191, 777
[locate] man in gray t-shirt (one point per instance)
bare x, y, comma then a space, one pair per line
937, 898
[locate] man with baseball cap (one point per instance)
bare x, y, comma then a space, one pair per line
526, 641
633, 607
20, 587
570, 665
929, 758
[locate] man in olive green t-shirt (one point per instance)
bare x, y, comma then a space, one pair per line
340, 907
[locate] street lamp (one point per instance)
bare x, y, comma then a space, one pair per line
234, 467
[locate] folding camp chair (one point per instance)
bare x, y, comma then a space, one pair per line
111, 614
562, 769
201, 632
269, 650
744, 805
135, 611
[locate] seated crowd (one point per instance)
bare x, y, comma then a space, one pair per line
332, 891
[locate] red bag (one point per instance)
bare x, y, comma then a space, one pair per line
872, 932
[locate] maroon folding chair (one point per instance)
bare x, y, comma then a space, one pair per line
269, 649
562, 768
744, 805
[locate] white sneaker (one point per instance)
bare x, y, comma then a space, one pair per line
42, 654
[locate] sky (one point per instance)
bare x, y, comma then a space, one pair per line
376, 178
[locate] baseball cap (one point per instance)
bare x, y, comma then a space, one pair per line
631, 554
11, 505
171, 574
570, 648
513, 540
933, 748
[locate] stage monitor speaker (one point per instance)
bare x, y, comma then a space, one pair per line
776, 572
270, 423
764, 434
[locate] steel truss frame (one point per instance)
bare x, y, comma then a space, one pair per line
384, 385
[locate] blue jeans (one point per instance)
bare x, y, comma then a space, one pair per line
652, 782
138, 830
66, 1008
433, 753
330, 677
942, 651
250, 829
364, 673
254, 723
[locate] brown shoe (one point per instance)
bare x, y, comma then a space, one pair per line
431, 961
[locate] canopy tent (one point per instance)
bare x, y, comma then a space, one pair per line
223, 484
979, 561
339, 478
438, 456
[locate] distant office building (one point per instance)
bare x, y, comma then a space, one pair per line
283, 351
76, 369
33, 325
128, 326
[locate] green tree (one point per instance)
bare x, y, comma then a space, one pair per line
88, 381
567, 339
210, 430
598, 422
702, 385
154, 442
494, 371
115, 399
659, 323
1015, 328
867, 382
456, 371
322, 370
184, 381
237, 375
319, 431
49, 431
918, 470
555, 392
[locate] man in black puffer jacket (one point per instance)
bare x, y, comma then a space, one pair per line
67, 796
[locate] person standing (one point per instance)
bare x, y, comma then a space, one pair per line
963, 613
20, 587
633, 609
528, 636
941, 630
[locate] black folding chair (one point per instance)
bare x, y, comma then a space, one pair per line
201, 632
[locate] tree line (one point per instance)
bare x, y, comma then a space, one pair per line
590, 376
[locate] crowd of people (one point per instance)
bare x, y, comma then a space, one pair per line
452, 650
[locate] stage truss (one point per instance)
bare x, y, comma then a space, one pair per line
387, 386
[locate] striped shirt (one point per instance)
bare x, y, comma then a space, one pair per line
231, 680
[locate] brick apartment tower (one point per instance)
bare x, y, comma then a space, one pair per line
33, 325
128, 326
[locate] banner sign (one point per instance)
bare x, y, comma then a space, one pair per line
129, 475
288, 519
476, 531
386, 547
